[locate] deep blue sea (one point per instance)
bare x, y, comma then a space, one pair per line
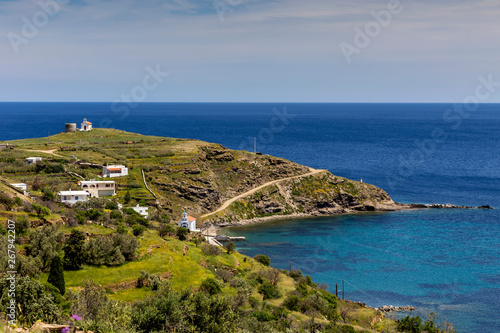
445, 261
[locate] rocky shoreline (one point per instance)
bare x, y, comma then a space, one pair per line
396, 206
391, 308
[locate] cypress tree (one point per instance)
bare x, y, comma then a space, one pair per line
56, 275
74, 254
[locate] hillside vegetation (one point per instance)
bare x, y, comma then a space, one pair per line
109, 269
190, 174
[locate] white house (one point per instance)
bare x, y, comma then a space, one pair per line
21, 186
72, 197
99, 188
143, 211
86, 125
114, 171
32, 160
188, 222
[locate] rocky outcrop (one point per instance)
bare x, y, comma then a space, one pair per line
207, 198
320, 194
392, 308
446, 206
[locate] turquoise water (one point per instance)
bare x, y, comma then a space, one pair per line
446, 261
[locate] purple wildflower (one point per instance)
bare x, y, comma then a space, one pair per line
65, 330
76, 317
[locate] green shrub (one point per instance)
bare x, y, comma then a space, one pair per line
128, 245
210, 250
74, 254
138, 230
40, 210
44, 243
410, 325
211, 286
56, 275
33, 300
116, 215
111, 206
295, 274
93, 214
121, 228
48, 194
230, 247
98, 312
22, 225
269, 291
182, 233
150, 315
166, 230
100, 251
292, 303
127, 197
263, 316
263, 259
18, 201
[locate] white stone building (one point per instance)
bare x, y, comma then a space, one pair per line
72, 197
86, 125
21, 186
143, 211
33, 160
114, 171
102, 188
188, 222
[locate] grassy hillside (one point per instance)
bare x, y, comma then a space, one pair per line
188, 175
121, 287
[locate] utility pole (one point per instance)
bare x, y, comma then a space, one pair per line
343, 295
290, 266
337, 290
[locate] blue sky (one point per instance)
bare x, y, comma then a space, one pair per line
249, 51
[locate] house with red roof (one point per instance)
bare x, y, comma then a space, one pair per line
114, 171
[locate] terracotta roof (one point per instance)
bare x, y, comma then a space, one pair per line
114, 169
190, 219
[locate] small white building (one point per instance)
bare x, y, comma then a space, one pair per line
86, 125
100, 188
114, 171
72, 197
21, 186
143, 211
188, 222
33, 160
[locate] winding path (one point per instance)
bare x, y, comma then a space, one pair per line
50, 152
230, 201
